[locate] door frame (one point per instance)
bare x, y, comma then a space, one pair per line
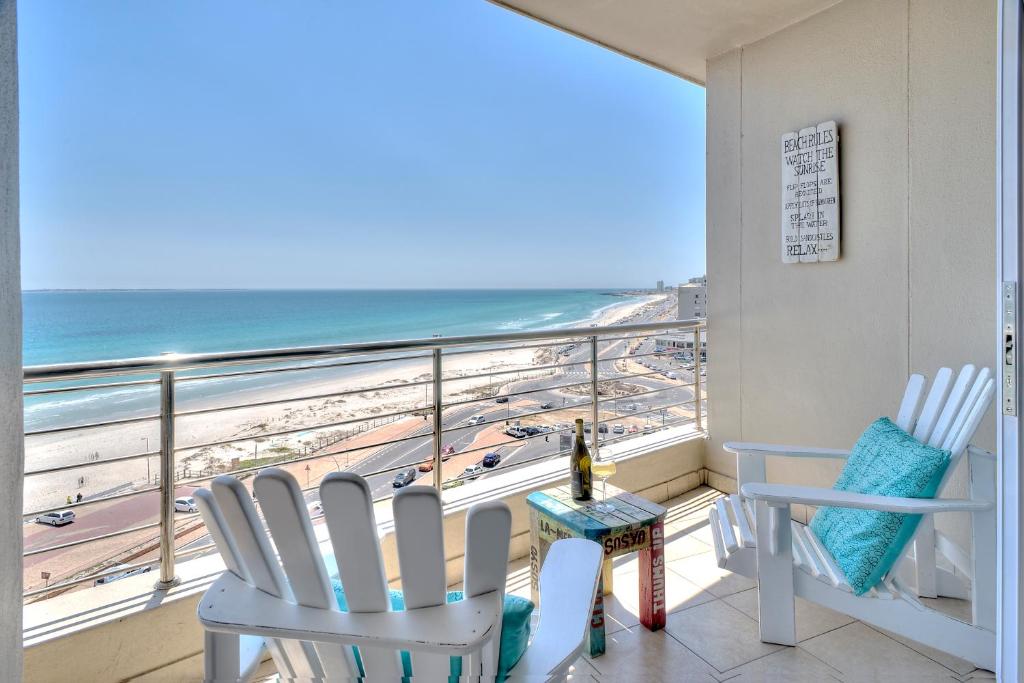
1008, 264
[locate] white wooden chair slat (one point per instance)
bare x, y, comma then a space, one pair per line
487, 525
728, 533
720, 553
567, 598
287, 517
954, 404
907, 415
419, 535
835, 575
803, 547
800, 557
250, 647
972, 399
974, 418
351, 524
262, 570
743, 523
933, 405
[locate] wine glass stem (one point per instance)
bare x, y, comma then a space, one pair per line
604, 490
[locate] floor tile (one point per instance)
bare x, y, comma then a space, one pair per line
947, 660
790, 664
679, 594
721, 635
862, 653
637, 654
704, 571
811, 620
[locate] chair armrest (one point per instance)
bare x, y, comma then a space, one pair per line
231, 605
808, 495
741, 448
568, 584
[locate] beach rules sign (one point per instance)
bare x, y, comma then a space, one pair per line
810, 194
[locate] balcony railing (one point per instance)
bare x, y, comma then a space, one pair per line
615, 374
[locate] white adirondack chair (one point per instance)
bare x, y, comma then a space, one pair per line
292, 611
754, 534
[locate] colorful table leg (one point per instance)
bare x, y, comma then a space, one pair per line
597, 623
652, 579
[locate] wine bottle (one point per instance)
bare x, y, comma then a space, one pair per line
579, 466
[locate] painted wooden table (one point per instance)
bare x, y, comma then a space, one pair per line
636, 525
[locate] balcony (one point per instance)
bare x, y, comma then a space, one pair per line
712, 629
432, 406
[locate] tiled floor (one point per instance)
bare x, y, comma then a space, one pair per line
711, 633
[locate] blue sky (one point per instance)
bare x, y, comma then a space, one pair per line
347, 144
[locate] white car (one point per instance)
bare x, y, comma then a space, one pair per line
473, 471
477, 420
315, 508
185, 505
58, 518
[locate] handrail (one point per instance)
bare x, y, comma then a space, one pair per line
163, 371
192, 361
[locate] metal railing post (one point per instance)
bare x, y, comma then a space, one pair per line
594, 395
167, 576
699, 422
438, 479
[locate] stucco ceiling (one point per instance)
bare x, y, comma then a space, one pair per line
675, 35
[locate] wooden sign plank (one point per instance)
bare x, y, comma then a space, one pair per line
790, 203
807, 193
827, 154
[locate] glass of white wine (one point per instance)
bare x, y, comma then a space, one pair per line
602, 469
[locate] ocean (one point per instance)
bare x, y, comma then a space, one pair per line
68, 326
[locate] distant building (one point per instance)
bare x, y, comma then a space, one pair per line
681, 342
661, 286
702, 280
692, 301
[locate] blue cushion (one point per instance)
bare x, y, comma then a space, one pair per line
515, 628
886, 461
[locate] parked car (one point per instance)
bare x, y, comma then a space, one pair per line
586, 427
404, 478
124, 574
516, 432
633, 429
426, 466
492, 459
473, 471
501, 399
315, 508
618, 429
602, 428
477, 420
59, 518
648, 428
187, 504
671, 375
532, 431
547, 406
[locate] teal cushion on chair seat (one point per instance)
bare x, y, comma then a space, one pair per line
886, 461
515, 628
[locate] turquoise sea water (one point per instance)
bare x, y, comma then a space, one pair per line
67, 326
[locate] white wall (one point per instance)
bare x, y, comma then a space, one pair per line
11, 455
812, 353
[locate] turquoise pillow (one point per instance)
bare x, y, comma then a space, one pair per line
515, 630
886, 461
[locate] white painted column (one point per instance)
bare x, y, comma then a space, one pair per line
11, 429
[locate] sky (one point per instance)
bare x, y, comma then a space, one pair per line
356, 144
